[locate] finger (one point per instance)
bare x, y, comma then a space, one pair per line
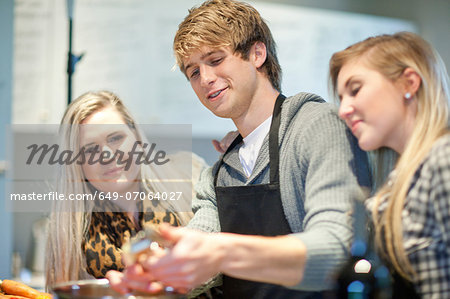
137, 273
116, 281
152, 287
139, 286
175, 275
181, 283
217, 146
155, 287
170, 233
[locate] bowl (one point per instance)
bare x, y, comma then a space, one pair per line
100, 289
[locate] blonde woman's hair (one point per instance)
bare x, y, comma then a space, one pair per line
69, 220
391, 55
227, 23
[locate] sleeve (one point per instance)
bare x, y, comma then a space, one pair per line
198, 166
204, 205
433, 261
336, 173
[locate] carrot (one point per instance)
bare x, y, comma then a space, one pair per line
12, 287
12, 297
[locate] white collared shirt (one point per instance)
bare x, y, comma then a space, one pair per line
252, 144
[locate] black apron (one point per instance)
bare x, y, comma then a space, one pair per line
255, 210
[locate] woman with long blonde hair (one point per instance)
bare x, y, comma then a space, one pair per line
84, 236
394, 93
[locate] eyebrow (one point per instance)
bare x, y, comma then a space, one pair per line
348, 81
203, 57
345, 86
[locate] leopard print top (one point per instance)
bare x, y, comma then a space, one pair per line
107, 233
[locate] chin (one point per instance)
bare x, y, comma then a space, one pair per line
367, 146
221, 114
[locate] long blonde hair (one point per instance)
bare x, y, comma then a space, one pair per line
70, 219
391, 55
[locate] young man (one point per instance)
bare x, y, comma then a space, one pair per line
294, 175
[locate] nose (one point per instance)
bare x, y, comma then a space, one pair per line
345, 110
107, 157
207, 75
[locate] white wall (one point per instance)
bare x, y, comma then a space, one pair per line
128, 49
6, 57
431, 16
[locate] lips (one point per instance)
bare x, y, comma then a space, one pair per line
214, 95
113, 171
354, 125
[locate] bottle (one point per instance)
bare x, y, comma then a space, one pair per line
362, 276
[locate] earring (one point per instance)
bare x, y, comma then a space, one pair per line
408, 96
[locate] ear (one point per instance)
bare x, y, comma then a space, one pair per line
259, 53
411, 81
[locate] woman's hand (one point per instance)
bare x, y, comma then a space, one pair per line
222, 146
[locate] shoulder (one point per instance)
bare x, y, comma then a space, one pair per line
440, 152
309, 116
438, 159
309, 108
432, 178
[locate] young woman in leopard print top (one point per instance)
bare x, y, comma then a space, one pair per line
85, 237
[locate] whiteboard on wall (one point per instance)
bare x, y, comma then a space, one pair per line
127, 46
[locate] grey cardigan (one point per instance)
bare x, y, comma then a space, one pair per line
322, 170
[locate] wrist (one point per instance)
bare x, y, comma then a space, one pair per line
223, 250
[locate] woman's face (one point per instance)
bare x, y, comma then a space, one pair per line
106, 133
373, 107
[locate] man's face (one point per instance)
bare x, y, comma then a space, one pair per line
223, 81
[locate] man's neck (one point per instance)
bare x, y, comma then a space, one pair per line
259, 110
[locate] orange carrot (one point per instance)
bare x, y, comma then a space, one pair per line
12, 287
13, 297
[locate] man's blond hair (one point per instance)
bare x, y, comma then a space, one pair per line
227, 23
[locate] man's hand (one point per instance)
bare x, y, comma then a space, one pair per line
195, 257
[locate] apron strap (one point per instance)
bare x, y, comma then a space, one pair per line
273, 141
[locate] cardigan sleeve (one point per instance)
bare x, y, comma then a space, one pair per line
335, 174
204, 205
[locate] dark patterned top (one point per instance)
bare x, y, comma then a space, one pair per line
107, 233
426, 222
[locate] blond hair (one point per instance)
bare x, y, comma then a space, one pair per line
391, 55
70, 220
227, 23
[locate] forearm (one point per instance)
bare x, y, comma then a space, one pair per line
204, 204
277, 260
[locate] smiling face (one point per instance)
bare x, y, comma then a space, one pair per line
373, 107
224, 82
106, 130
